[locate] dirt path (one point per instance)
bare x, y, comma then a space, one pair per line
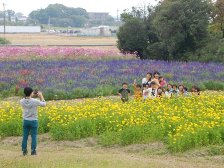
87, 153
50, 39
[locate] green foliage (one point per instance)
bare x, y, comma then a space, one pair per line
4, 41
11, 128
219, 17
60, 15
132, 135
76, 130
181, 26
213, 50
51, 94
109, 138
174, 30
131, 37
216, 150
214, 85
199, 139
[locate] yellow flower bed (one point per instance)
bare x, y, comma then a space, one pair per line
182, 122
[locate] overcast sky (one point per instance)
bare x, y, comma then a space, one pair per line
111, 6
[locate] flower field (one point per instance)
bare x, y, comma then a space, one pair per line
67, 73
181, 123
34, 53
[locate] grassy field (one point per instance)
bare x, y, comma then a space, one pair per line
46, 39
87, 153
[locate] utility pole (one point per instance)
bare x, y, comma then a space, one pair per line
4, 18
117, 15
144, 11
49, 23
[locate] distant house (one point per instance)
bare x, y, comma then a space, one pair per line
94, 16
20, 29
22, 18
13, 19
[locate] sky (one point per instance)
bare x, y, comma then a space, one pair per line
111, 6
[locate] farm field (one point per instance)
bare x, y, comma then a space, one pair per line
50, 39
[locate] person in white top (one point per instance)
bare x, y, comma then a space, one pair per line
30, 118
169, 91
147, 79
145, 91
153, 90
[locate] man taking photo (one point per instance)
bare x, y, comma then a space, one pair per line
30, 117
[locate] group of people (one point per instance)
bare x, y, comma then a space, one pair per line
155, 86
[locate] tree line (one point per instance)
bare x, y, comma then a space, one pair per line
63, 16
175, 30
56, 15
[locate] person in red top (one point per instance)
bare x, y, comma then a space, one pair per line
162, 82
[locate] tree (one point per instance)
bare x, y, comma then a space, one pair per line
132, 35
181, 26
220, 14
9, 14
168, 31
60, 15
19, 14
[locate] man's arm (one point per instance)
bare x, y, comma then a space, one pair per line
135, 84
42, 101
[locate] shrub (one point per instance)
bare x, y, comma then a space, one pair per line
4, 41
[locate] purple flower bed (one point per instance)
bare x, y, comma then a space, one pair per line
82, 78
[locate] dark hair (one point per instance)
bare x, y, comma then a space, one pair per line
175, 85
153, 83
160, 77
28, 91
124, 84
180, 86
150, 75
156, 72
139, 86
196, 88
169, 84
181, 91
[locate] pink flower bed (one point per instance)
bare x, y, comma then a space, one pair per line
55, 52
